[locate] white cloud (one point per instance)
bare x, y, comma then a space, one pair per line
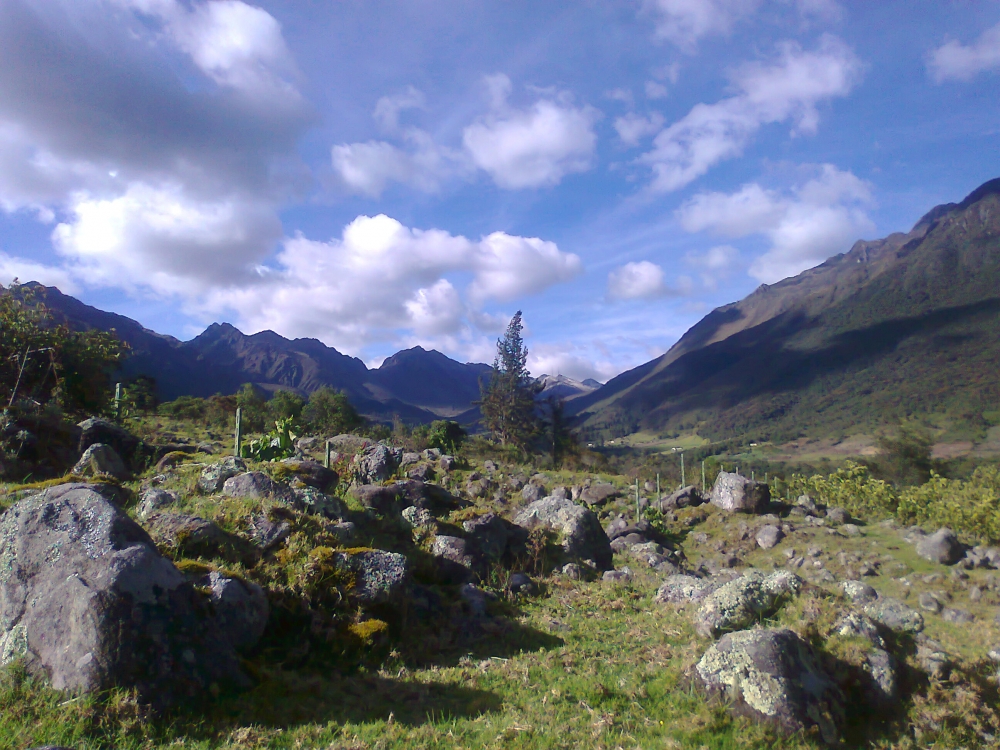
28, 270
685, 22
641, 280
815, 220
387, 108
632, 128
715, 264
368, 168
788, 89
382, 279
532, 147
621, 95
656, 90
960, 62
570, 360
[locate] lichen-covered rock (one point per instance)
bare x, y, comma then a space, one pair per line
96, 430
582, 535
769, 536
428, 496
682, 589
376, 463
598, 493
311, 500
417, 517
101, 460
384, 500
86, 600
241, 609
744, 600
488, 534
214, 476
455, 559
532, 493
311, 474
941, 547
773, 675
735, 493
255, 484
683, 498
859, 592
380, 577
895, 615
198, 537
877, 663
155, 500
266, 534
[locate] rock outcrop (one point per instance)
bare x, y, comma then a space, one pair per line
736, 493
581, 532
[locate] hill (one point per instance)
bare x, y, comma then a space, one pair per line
895, 328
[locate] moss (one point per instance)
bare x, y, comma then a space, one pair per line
369, 632
193, 568
46, 483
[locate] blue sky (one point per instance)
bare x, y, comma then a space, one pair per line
379, 175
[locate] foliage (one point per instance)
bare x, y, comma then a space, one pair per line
559, 438
446, 435
253, 408
507, 395
285, 404
139, 396
330, 413
43, 361
274, 445
215, 411
905, 459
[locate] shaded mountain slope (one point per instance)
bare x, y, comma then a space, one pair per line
897, 327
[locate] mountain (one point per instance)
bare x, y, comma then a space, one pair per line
899, 327
417, 385
565, 388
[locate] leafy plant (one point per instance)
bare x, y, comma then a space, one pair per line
273, 446
446, 435
330, 413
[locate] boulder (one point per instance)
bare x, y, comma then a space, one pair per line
683, 498
101, 460
311, 474
311, 500
598, 494
126, 445
266, 534
617, 576
198, 537
735, 493
521, 583
532, 493
214, 476
376, 463
380, 577
255, 484
409, 459
878, 664
455, 560
418, 517
488, 534
348, 443
431, 497
384, 500
447, 463
837, 516
744, 600
895, 615
773, 675
88, 601
155, 500
582, 535
421, 472
859, 592
769, 536
682, 589
241, 609
941, 547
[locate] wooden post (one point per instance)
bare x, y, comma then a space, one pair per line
637, 509
751, 475
683, 482
657, 485
118, 400
239, 431
326, 461
703, 477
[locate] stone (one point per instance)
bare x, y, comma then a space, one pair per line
376, 463
895, 615
598, 494
859, 592
214, 476
417, 517
532, 493
617, 576
348, 443
170, 461
488, 534
854, 625
101, 460
447, 463
454, 549
744, 600
421, 473
769, 536
311, 500
380, 577
266, 534
432, 454
429, 496
197, 537
87, 601
957, 616
255, 484
837, 516
311, 474
475, 599
683, 498
345, 531
384, 500
582, 535
929, 603
850, 529
773, 675
521, 583
241, 609
735, 493
126, 445
941, 547
682, 589
572, 571
155, 500
932, 658
409, 459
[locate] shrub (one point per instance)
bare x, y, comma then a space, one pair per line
330, 413
446, 435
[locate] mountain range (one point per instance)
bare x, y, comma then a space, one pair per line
898, 328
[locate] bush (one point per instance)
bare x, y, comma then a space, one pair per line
330, 413
286, 405
446, 435
253, 408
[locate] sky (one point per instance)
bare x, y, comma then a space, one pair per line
381, 175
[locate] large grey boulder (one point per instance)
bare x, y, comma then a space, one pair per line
736, 493
380, 577
255, 484
581, 532
96, 430
214, 476
941, 547
101, 460
154, 500
198, 537
744, 600
311, 474
488, 534
598, 493
88, 601
773, 675
376, 463
241, 609
682, 498
895, 615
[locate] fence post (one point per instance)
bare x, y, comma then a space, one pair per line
239, 431
326, 461
657, 486
683, 482
118, 400
637, 509
703, 477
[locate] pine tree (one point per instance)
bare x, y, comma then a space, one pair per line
508, 394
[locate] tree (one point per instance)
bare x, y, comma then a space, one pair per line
253, 408
559, 439
906, 458
446, 435
286, 405
507, 394
329, 412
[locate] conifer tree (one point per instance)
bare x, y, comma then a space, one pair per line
508, 393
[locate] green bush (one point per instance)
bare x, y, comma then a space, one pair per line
330, 413
286, 405
446, 435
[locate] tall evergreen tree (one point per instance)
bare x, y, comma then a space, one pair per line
508, 393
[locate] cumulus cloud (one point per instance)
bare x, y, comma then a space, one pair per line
381, 279
573, 361
387, 108
632, 127
789, 88
961, 62
643, 280
685, 22
368, 168
715, 264
532, 147
12, 268
805, 226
